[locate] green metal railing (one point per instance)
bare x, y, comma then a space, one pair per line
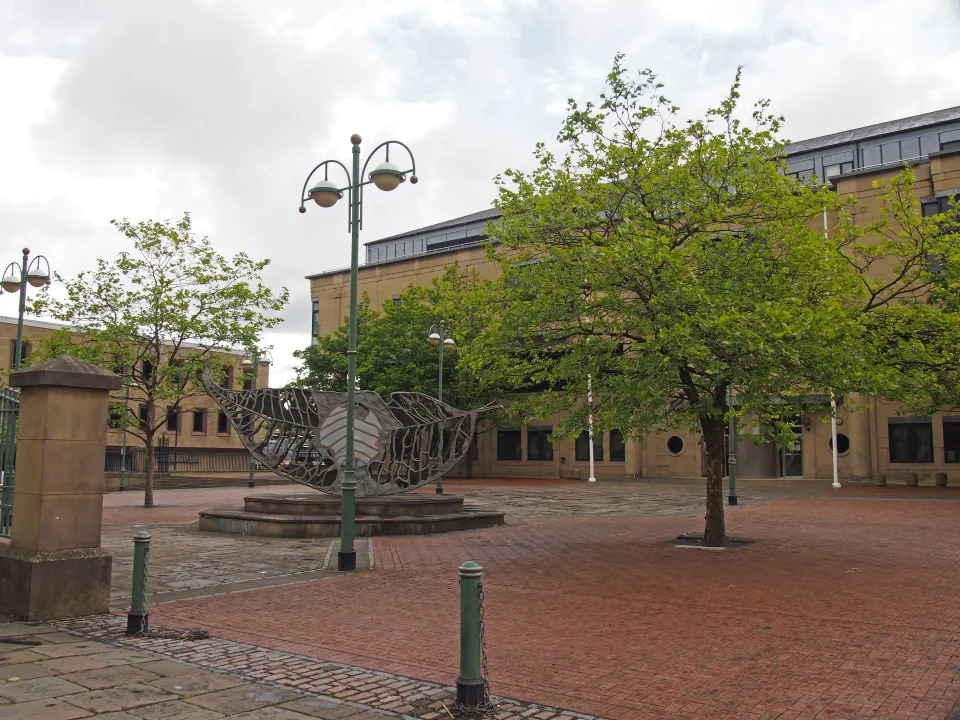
9, 408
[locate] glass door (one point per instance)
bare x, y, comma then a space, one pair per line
791, 457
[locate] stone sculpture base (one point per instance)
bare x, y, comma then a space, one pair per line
301, 515
49, 584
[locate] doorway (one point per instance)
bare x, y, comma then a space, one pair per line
791, 457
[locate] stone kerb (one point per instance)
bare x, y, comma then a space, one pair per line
54, 566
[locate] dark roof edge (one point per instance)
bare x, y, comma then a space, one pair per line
488, 214
888, 127
417, 256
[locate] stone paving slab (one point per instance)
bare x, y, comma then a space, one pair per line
53, 684
327, 690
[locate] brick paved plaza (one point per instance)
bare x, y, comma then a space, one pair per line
844, 607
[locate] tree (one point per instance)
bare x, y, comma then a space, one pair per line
393, 354
671, 262
158, 315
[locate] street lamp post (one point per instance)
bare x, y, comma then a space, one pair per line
732, 449
593, 476
123, 448
386, 176
15, 279
251, 364
438, 338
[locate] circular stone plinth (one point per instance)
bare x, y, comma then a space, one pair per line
315, 503
300, 515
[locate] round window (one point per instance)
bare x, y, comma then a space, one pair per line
675, 445
843, 444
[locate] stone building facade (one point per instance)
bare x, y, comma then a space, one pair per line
199, 426
872, 442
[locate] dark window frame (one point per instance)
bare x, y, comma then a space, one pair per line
908, 444
173, 420
539, 447
618, 447
201, 415
515, 449
223, 423
581, 450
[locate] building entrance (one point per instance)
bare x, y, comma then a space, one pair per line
791, 457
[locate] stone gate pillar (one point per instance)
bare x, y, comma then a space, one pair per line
54, 566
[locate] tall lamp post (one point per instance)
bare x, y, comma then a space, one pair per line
123, 448
386, 176
251, 364
732, 449
438, 338
593, 476
16, 277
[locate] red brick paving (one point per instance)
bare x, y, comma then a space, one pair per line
845, 608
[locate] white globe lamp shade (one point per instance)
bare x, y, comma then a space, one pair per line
38, 278
434, 339
10, 283
387, 176
449, 344
325, 193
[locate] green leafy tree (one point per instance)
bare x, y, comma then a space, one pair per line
671, 262
393, 354
158, 315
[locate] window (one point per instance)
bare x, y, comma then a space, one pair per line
910, 149
583, 446
870, 156
144, 414
248, 379
117, 416
843, 444
938, 205
25, 349
147, 368
508, 445
315, 322
890, 152
830, 171
539, 446
929, 144
674, 444
951, 439
199, 421
950, 140
911, 440
173, 419
230, 378
223, 424
618, 452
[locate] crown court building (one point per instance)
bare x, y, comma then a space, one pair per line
871, 443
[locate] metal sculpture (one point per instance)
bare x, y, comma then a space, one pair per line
301, 435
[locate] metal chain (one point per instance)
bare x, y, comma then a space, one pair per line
483, 647
146, 574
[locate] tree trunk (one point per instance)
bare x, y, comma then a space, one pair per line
714, 532
148, 470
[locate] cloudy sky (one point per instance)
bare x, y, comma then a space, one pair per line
128, 108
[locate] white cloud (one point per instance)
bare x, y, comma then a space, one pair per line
113, 108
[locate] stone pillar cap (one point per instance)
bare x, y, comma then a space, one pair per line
66, 372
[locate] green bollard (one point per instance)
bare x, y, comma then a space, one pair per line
471, 686
138, 616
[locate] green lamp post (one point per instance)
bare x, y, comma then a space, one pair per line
386, 176
438, 338
732, 449
16, 277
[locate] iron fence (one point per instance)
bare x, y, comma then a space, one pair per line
179, 460
9, 410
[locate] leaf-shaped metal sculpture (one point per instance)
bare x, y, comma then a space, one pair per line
300, 434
